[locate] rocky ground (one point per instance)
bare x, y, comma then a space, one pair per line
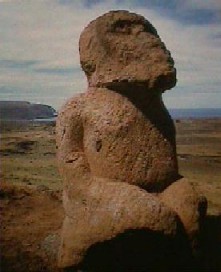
31, 208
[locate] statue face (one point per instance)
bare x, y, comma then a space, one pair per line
123, 48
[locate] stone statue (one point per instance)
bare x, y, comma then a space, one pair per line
116, 142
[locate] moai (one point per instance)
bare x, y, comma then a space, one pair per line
116, 142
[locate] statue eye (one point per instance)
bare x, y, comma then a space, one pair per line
122, 27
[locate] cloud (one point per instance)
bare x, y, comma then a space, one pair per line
39, 47
15, 64
203, 4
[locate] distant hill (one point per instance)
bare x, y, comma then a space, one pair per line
23, 110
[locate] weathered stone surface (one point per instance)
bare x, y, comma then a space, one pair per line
121, 47
119, 138
191, 207
116, 142
104, 160
104, 210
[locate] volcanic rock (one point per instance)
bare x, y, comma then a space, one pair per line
117, 151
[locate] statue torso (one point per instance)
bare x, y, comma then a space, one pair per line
121, 143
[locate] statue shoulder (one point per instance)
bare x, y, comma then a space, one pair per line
70, 115
73, 106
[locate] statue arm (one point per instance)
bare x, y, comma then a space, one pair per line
72, 162
107, 209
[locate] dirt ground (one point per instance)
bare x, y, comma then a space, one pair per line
30, 193
28, 217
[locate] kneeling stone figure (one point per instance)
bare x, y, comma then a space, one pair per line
116, 141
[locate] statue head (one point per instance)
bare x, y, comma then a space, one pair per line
120, 49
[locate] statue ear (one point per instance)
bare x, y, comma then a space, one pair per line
89, 67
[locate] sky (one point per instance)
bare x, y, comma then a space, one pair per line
39, 58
